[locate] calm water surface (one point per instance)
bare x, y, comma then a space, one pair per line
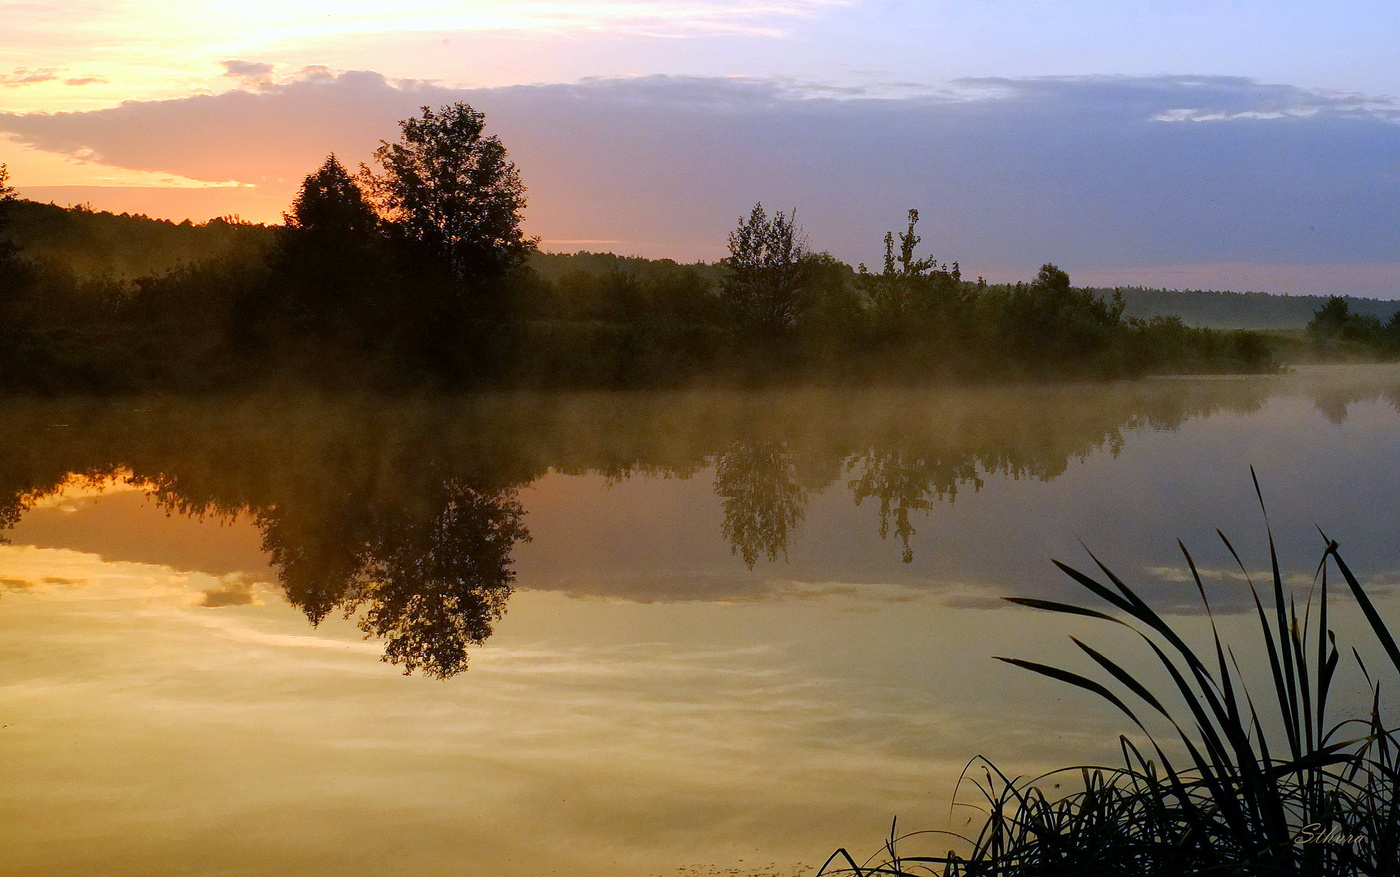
646, 634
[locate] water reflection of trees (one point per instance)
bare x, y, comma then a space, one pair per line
404, 514
763, 500
905, 483
430, 585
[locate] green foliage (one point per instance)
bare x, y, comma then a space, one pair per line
1054, 321
1219, 309
910, 292
763, 499
419, 274
25, 361
1336, 330
768, 275
1331, 318
7, 195
10, 268
96, 244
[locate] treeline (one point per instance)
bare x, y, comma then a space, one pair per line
416, 272
87, 243
1220, 309
1338, 332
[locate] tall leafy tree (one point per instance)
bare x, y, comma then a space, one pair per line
329, 256
450, 190
1331, 318
769, 274
9, 253
451, 203
331, 204
909, 288
1054, 320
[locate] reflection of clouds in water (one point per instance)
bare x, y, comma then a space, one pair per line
738, 588
1178, 574
865, 694
422, 532
236, 590
1383, 582
61, 572
235, 628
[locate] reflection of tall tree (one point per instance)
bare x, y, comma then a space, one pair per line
1334, 408
430, 580
906, 483
763, 499
436, 589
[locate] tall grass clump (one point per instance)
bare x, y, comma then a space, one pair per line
1232, 781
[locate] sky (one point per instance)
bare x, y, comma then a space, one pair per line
1243, 145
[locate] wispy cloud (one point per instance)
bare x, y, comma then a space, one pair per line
663, 18
28, 76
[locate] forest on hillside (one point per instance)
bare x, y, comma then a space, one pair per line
416, 272
1223, 309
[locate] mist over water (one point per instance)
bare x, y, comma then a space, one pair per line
642, 630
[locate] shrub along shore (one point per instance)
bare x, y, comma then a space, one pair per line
1224, 780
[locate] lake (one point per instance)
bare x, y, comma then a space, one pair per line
710, 632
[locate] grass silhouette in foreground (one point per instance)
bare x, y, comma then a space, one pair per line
1257, 793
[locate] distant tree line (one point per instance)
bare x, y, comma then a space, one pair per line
1220, 309
1336, 331
416, 272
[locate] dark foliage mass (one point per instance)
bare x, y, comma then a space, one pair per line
1337, 331
416, 272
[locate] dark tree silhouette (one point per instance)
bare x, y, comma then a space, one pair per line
331, 204
908, 286
1335, 322
7, 197
21, 360
1051, 321
1051, 279
10, 266
451, 201
768, 274
452, 192
1331, 317
328, 263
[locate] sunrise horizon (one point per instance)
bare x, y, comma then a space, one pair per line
1200, 148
